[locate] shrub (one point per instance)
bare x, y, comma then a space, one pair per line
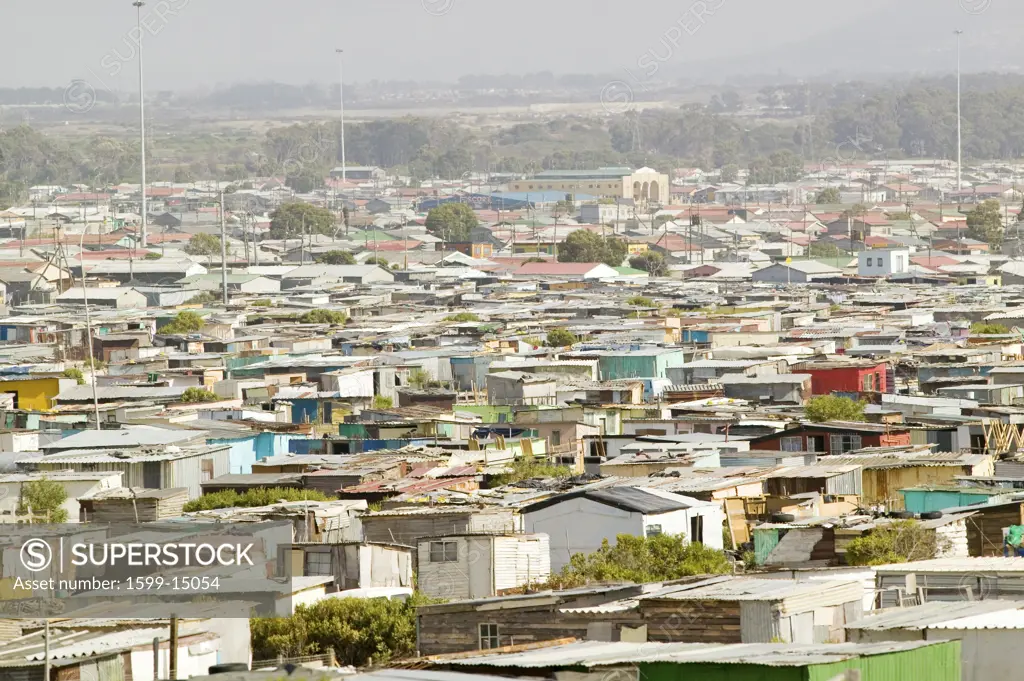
561, 338
462, 317
185, 322
361, 631
198, 395
263, 302
641, 559
982, 328
337, 258
75, 373
332, 317
899, 542
831, 408
260, 496
382, 402
527, 469
640, 301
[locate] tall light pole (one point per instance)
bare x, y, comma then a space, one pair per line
959, 148
144, 241
341, 109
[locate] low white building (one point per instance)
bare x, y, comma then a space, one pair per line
481, 565
883, 262
578, 522
76, 485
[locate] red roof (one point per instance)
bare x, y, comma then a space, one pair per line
557, 268
395, 245
934, 261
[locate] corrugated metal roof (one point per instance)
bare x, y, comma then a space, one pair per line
750, 589
985, 565
597, 654
930, 614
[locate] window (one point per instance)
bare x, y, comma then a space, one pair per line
556, 438
489, 636
868, 383
317, 563
844, 443
870, 262
792, 444
653, 530
444, 552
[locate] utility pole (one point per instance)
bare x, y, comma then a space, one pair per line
223, 250
959, 148
144, 240
46, 650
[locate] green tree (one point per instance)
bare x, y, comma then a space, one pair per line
898, 542
452, 222
828, 196
203, 244
586, 246
824, 408
43, 498
337, 258
985, 223
361, 631
640, 301
376, 260
641, 559
652, 262
332, 317
198, 395
729, 174
75, 373
561, 338
982, 329
185, 322
153, 255
183, 176
382, 402
296, 218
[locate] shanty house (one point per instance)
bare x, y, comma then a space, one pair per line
353, 565
578, 522
481, 565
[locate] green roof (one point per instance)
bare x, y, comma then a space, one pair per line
630, 272
370, 235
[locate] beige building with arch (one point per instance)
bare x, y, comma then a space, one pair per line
645, 185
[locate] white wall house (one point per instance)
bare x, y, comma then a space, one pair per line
579, 521
882, 262
481, 565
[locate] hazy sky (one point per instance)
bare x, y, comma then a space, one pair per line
197, 43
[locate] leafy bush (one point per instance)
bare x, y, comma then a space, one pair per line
561, 338
75, 373
982, 328
652, 262
641, 559
462, 317
899, 542
324, 317
153, 255
382, 402
640, 301
185, 322
198, 395
43, 499
527, 469
260, 496
337, 258
361, 631
203, 244
263, 302
832, 408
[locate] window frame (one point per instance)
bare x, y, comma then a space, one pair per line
488, 635
438, 551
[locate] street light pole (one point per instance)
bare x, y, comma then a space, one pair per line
959, 148
88, 327
144, 240
341, 108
